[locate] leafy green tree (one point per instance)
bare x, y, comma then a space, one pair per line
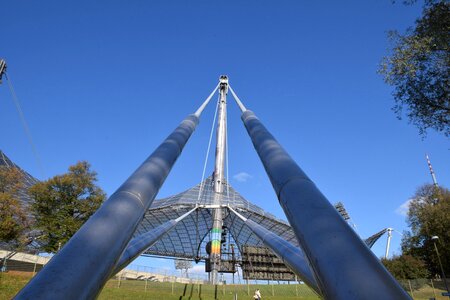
429, 215
419, 67
406, 267
13, 220
63, 203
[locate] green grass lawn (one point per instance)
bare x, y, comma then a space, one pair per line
11, 283
132, 289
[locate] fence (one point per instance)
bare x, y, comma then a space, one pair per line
425, 288
176, 290
168, 285
141, 282
21, 262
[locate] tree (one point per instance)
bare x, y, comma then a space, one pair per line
429, 215
63, 203
406, 267
13, 220
419, 69
183, 264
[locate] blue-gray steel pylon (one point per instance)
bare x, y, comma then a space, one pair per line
144, 241
292, 256
86, 262
344, 267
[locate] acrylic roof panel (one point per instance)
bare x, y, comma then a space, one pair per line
28, 180
188, 239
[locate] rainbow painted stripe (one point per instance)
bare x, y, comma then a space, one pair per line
215, 247
215, 240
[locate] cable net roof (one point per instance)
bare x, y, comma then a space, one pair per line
25, 201
189, 238
28, 180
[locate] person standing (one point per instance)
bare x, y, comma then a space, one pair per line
257, 294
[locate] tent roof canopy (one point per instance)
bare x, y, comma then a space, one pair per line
189, 238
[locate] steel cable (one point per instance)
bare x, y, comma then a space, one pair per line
25, 125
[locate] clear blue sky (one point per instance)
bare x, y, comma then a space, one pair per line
106, 81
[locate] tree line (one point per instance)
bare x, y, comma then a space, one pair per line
428, 220
59, 206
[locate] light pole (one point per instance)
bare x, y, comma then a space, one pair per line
435, 238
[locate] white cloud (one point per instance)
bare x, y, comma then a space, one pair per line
403, 209
197, 269
242, 177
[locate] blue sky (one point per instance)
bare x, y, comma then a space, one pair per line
106, 81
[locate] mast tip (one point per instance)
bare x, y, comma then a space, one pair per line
223, 79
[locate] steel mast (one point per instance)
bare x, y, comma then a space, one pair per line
219, 180
433, 176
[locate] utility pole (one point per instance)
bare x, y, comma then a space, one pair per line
219, 180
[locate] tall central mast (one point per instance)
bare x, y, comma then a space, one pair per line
219, 170
219, 180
